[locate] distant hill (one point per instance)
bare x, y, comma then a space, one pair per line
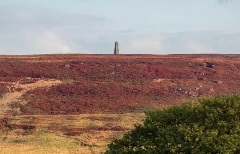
115, 84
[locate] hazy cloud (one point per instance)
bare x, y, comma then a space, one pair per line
33, 42
27, 30
185, 42
223, 1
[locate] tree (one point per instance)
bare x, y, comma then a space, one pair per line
209, 126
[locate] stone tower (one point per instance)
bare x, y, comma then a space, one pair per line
116, 49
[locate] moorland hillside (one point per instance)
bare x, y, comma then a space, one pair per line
114, 84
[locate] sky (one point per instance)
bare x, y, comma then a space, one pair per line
140, 26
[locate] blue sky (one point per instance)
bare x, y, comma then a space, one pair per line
140, 26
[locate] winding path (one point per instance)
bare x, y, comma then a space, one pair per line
15, 96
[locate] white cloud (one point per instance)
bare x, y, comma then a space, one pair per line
223, 1
44, 42
39, 31
49, 40
196, 47
147, 45
182, 43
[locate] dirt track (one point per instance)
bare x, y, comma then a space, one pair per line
16, 90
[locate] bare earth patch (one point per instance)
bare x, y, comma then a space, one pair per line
17, 89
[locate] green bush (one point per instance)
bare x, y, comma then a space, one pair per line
210, 126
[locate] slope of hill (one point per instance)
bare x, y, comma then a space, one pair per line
116, 84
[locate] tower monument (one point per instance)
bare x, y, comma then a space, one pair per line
116, 48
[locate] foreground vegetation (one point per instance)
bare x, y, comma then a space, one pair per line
63, 134
210, 126
40, 142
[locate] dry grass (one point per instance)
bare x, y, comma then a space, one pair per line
85, 134
39, 143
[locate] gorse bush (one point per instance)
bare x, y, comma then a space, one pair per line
210, 126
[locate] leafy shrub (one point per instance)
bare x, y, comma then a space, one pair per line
210, 126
